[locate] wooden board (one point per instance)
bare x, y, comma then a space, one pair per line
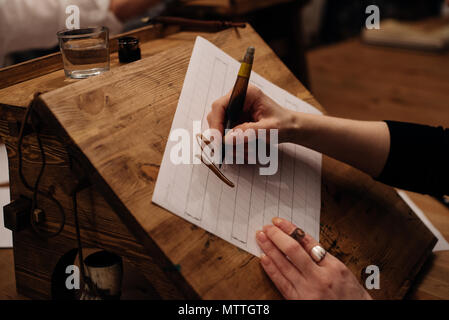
118, 124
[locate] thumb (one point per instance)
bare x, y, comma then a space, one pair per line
243, 132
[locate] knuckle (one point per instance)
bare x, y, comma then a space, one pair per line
216, 105
341, 269
269, 249
292, 249
308, 242
326, 282
271, 270
344, 272
257, 91
276, 123
283, 267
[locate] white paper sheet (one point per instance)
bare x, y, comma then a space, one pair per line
194, 193
441, 244
5, 234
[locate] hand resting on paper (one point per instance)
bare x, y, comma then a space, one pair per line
289, 265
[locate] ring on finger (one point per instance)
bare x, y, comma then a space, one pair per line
298, 234
318, 253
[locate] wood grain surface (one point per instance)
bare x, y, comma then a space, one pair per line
121, 121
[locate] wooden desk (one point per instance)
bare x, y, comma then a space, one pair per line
365, 82
360, 217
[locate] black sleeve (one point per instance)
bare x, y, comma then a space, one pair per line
418, 159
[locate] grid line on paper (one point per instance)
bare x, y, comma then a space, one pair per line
208, 172
288, 103
293, 191
218, 207
250, 200
193, 169
233, 216
235, 209
204, 113
194, 69
280, 154
206, 101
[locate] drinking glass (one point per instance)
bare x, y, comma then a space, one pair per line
85, 52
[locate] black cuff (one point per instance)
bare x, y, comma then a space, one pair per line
418, 159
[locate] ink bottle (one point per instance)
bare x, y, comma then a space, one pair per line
128, 49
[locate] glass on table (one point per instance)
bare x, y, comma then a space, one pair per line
85, 52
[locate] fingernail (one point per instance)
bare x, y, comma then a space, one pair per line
264, 259
260, 236
277, 221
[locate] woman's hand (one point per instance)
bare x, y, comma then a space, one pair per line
259, 112
297, 276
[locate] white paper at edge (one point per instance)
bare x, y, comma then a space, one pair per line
442, 244
5, 234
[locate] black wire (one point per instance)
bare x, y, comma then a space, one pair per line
19, 147
36, 191
92, 289
78, 238
78, 233
35, 188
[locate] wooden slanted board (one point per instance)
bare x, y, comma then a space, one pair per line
118, 124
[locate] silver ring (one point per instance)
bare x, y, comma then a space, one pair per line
318, 253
